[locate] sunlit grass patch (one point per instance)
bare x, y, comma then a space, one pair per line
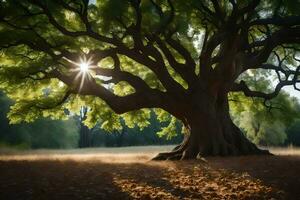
290, 150
115, 155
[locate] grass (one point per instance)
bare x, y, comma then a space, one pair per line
118, 154
115, 154
290, 150
127, 173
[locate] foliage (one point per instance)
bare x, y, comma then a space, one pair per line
265, 123
293, 134
146, 54
46, 133
43, 133
134, 136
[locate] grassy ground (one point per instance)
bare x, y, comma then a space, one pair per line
127, 173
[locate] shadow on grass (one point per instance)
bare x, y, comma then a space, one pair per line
281, 171
222, 178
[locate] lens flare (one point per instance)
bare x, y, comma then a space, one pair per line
84, 67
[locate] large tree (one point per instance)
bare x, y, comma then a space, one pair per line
183, 57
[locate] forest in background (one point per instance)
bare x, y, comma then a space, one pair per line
72, 133
61, 134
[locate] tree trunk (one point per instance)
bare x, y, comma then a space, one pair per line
120, 137
211, 132
84, 136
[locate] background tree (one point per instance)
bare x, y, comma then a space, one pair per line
265, 126
181, 57
156, 133
85, 133
43, 133
264, 123
58, 134
293, 134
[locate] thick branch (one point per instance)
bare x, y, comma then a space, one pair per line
282, 36
187, 72
157, 67
242, 87
207, 50
182, 51
278, 21
151, 98
117, 76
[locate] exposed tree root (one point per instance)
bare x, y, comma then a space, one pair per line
168, 156
185, 155
238, 147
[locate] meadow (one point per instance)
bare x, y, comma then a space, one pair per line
128, 173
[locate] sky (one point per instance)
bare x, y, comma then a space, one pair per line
292, 92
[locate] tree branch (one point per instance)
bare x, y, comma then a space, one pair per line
283, 36
66, 32
278, 21
149, 99
242, 87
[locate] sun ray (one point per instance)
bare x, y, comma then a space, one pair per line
82, 82
83, 69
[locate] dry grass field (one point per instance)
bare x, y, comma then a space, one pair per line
127, 173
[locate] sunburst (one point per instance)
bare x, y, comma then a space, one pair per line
83, 69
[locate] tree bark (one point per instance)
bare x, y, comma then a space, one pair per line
211, 132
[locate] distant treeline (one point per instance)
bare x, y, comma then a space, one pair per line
134, 137
46, 133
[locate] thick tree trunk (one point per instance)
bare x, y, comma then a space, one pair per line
211, 132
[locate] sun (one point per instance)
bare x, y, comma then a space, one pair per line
84, 67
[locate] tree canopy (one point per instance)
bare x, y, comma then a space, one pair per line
122, 57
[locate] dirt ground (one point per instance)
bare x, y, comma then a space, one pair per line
123, 174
